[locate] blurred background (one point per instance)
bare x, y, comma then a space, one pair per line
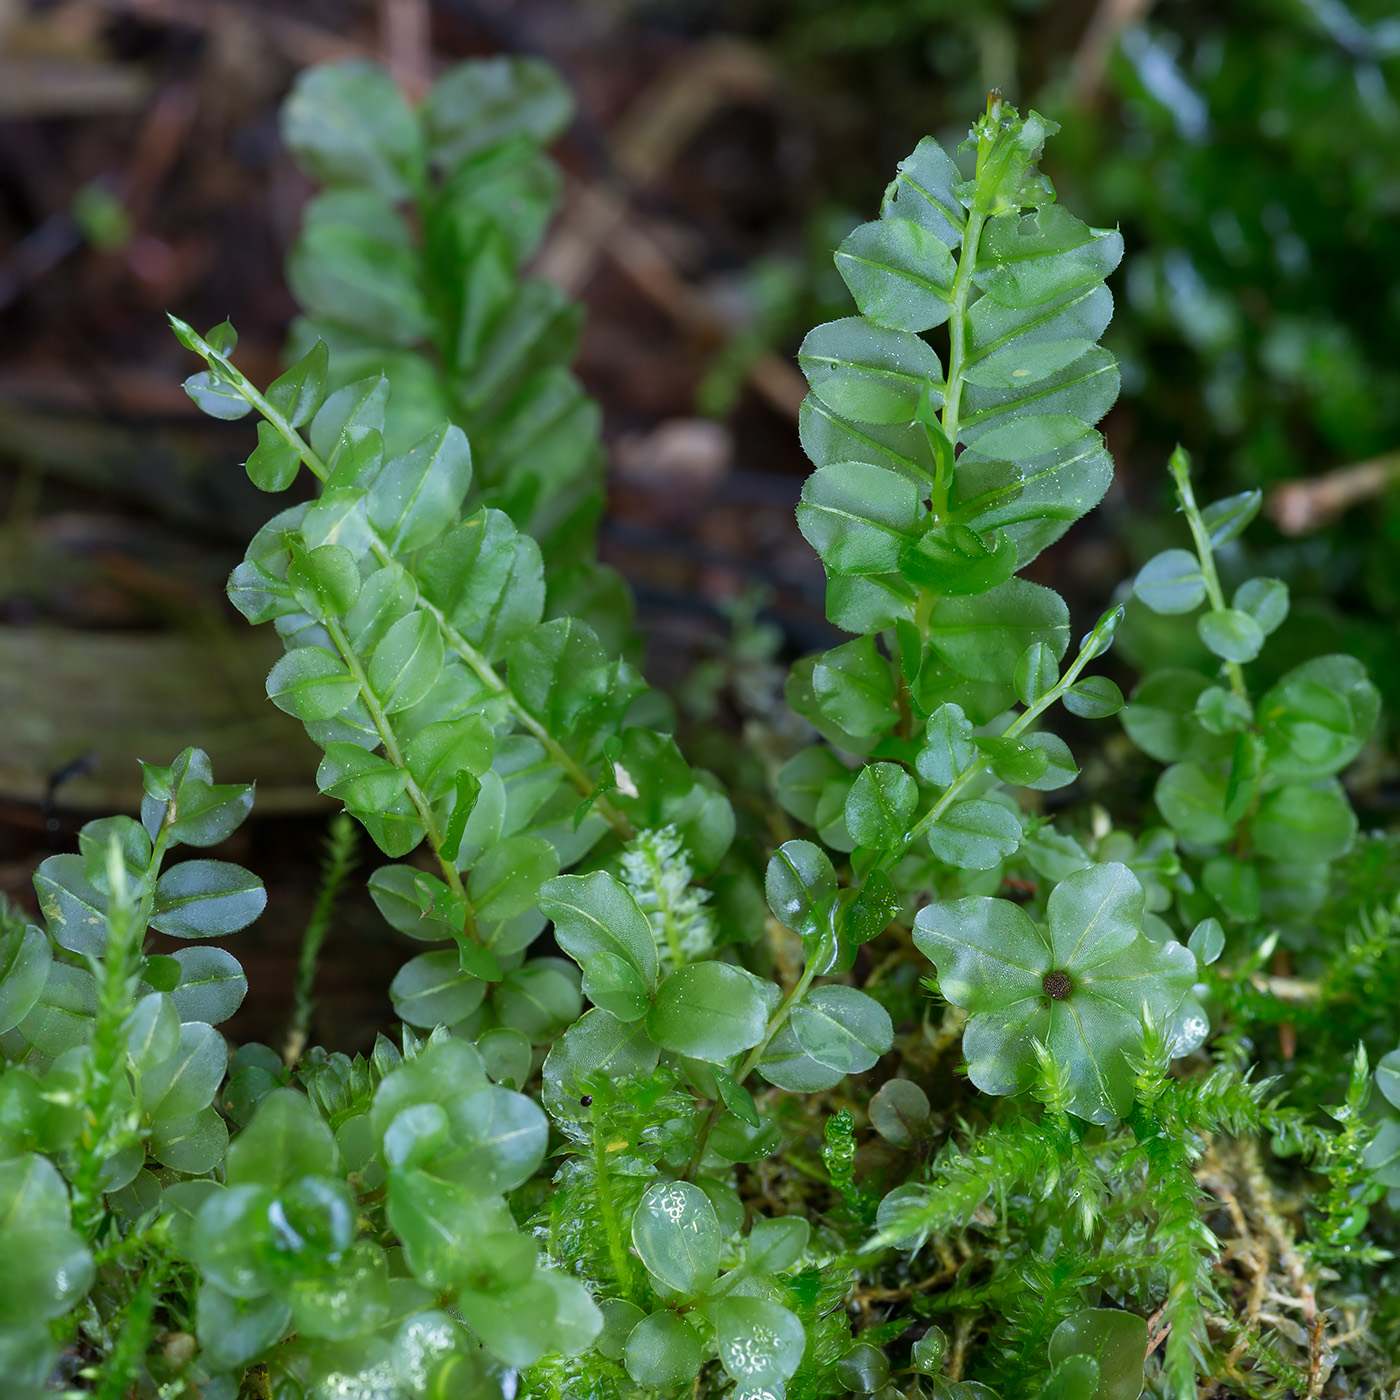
1248, 149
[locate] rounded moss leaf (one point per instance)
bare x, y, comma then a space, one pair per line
710, 1011
1171, 582
842, 1028
898, 1111
760, 1343
676, 1233
663, 1351
1115, 1339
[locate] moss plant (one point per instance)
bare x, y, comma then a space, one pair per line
673, 1156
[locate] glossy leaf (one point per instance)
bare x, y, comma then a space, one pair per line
677, 1235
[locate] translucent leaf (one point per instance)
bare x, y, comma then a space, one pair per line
786, 1064
1207, 941
406, 663
486, 102
45, 1270
858, 517
496, 1142
853, 687
1298, 823
348, 125
1113, 1338
1193, 801
417, 496
507, 879
677, 1235
924, 190
760, 1343
1079, 988
25, 959
842, 1028
1087, 389
1388, 1077
880, 805
187, 1080
311, 683
217, 397
559, 672
234, 1332
1227, 518
1171, 582
300, 391
974, 835
1265, 600
799, 884
949, 750
1093, 697
441, 1225
598, 1043
828, 438
866, 373
984, 637
74, 911
211, 986
1316, 718
900, 274
1231, 634
285, 1140
1012, 346
1025, 260
274, 463
194, 1145
433, 990
663, 1351
898, 1111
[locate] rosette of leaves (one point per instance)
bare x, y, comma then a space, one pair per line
408, 264
1079, 988
1251, 786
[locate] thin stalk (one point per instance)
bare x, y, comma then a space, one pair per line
775, 1024
957, 330
979, 765
1206, 554
245, 388
612, 1224
341, 856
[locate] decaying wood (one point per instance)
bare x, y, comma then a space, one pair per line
127, 696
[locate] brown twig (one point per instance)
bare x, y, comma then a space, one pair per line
1300, 507
405, 40
1110, 19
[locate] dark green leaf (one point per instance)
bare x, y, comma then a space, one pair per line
710, 1011
207, 899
